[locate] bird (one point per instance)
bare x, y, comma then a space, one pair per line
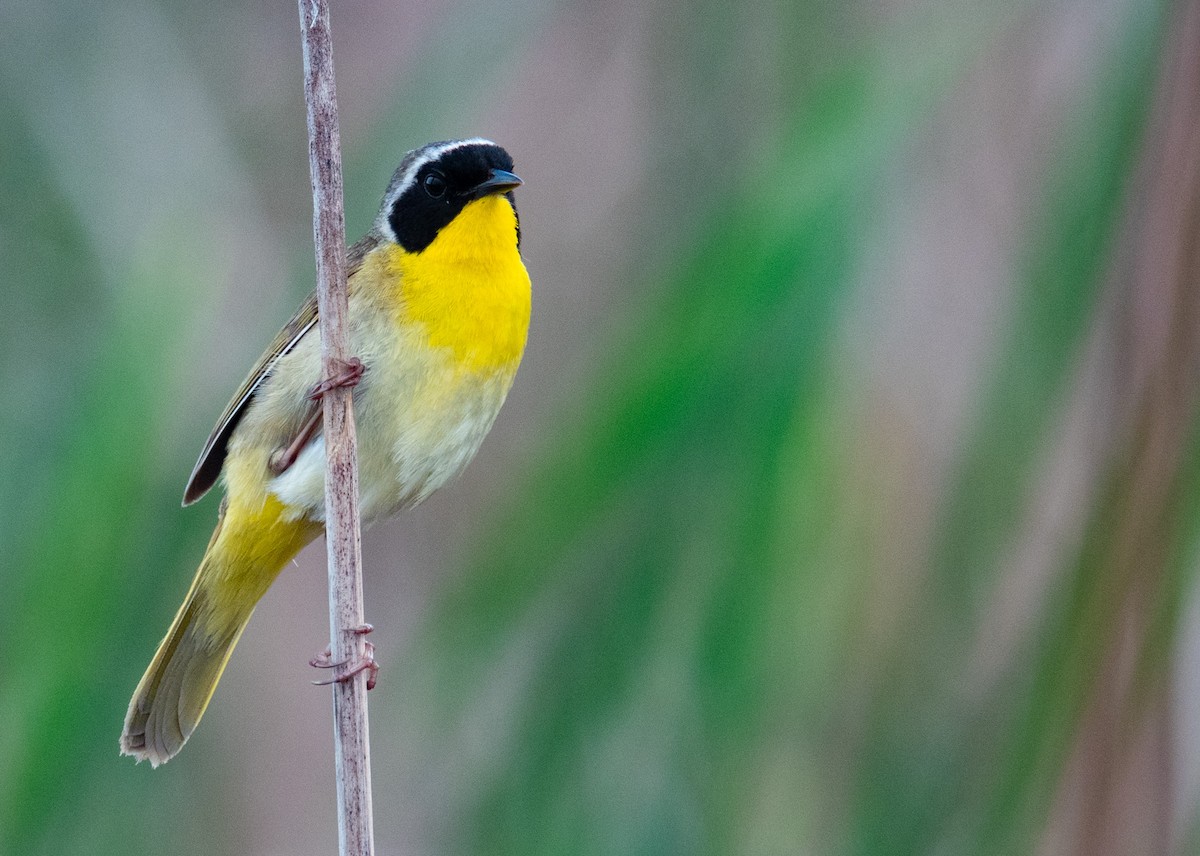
438, 315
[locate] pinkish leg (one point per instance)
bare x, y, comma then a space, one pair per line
349, 373
282, 459
368, 664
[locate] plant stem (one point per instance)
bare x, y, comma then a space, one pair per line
351, 745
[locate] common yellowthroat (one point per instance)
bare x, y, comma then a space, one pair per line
439, 305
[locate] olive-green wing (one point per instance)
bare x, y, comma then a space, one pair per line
212, 457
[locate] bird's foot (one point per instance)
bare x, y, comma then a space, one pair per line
348, 374
367, 663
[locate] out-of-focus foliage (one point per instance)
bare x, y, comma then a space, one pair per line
846, 501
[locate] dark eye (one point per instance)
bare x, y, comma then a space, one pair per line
435, 185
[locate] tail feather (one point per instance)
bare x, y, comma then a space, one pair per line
177, 687
241, 563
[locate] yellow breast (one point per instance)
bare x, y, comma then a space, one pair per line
468, 290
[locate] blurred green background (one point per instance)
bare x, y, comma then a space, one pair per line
847, 501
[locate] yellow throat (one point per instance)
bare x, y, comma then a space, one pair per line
468, 288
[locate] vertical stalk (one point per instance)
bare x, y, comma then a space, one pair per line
351, 745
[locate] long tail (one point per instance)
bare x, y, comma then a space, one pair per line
246, 553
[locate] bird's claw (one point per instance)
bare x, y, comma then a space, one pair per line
367, 663
349, 373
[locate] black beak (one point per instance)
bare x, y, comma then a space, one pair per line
498, 181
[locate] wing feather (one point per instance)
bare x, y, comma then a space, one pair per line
212, 456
